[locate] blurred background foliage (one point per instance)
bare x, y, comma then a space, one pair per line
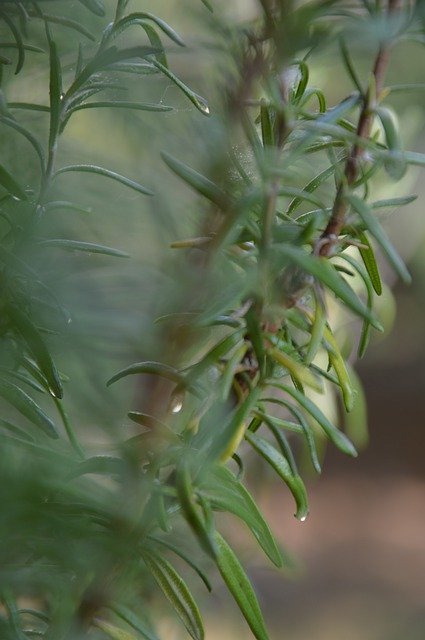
357, 565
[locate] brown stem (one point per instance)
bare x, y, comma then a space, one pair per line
329, 237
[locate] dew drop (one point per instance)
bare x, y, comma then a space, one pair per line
177, 406
303, 518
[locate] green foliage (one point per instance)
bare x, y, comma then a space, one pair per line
88, 536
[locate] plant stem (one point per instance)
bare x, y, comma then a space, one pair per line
329, 237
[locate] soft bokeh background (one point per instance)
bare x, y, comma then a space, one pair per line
357, 565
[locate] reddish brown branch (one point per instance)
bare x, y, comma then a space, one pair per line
329, 237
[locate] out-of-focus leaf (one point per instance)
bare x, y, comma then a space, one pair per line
240, 587
225, 492
282, 467
153, 368
311, 186
393, 202
380, 236
24, 404
71, 24
338, 364
134, 621
113, 631
197, 181
95, 6
139, 18
101, 171
177, 592
185, 494
18, 40
10, 184
86, 247
9, 122
356, 425
266, 126
37, 347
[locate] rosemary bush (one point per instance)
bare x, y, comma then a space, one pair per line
283, 228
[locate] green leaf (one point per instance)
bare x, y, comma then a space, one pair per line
197, 181
86, 247
71, 24
380, 236
310, 187
199, 102
95, 6
27, 407
91, 168
113, 631
108, 465
208, 5
181, 554
240, 587
176, 591
18, 40
223, 491
325, 273
349, 66
370, 263
336, 436
185, 493
303, 82
153, 368
120, 104
393, 202
9, 183
266, 126
9, 122
282, 467
395, 164
55, 92
134, 621
38, 349
296, 369
139, 19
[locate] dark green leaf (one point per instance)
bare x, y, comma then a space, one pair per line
134, 621
321, 269
380, 236
282, 467
153, 368
181, 554
27, 407
10, 184
185, 494
369, 261
240, 587
177, 592
37, 347
223, 491
336, 436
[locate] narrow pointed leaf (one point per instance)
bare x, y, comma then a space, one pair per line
134, 621
240, 587
101, 171
181, 554
10, 184
27, 407
226, 493
120, 104
199, 102
95, 6
336, 436
380, 236
282, 467
176, 591
150, 367
370, 263
86, 247
197, 181
325, 273
185, 494
38, 349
